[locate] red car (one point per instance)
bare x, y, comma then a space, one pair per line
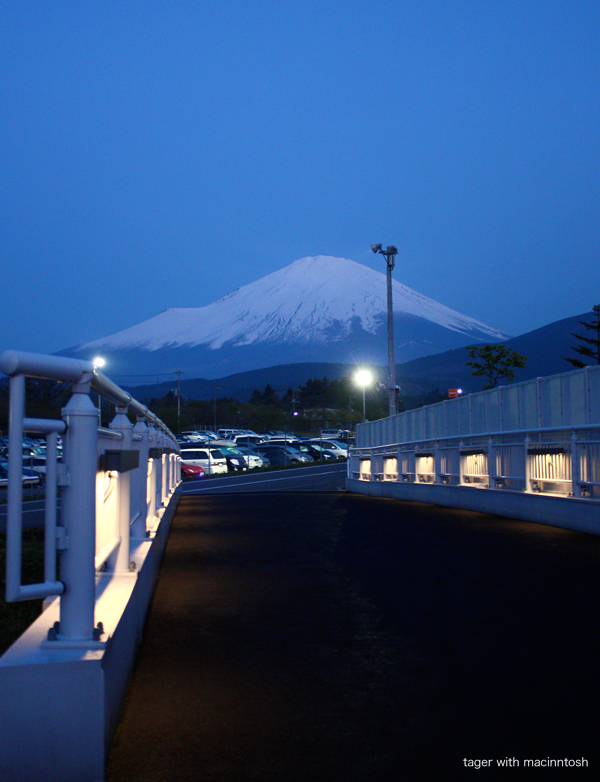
191, 471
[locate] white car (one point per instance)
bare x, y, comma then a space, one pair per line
255, 460
29, 478
339, 449
210, 459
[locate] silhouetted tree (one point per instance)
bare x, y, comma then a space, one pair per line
591, 344
494, 362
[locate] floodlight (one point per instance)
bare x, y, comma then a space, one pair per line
376, 248
363, 377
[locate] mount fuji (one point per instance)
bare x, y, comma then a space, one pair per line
317, 309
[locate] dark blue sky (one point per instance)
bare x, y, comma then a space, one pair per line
161, 154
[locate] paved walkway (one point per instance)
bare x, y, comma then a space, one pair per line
308, 637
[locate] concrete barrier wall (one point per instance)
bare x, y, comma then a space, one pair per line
60, 702
564, 512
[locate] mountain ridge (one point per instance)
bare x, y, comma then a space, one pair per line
545, 348
316, 309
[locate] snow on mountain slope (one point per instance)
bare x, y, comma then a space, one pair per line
314, 299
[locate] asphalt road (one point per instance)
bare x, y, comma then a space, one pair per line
328, 636
326, 477
33, 514
319, 478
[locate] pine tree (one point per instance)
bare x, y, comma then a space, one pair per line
591, 345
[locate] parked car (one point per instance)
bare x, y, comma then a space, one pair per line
229, 434
210, 459
206, 434
236, 460
277, 456
291, 454
286, 439
317, 451
332, 434
248, 439
255, 459
37, 464
28, 478
191, 471
276, 433
339, 449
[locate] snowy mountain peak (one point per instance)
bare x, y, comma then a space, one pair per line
313, 300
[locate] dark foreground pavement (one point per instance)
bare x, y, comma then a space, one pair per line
335, 637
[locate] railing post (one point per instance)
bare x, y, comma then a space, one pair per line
79, 514
437, 463
15, 486
461, 464
172, 481
119, 560
151, 488
156, 470
575, 466
491, 464
527, 445
140, 481
164, 471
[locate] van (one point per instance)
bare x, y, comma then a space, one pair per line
248, 439
227, 434
211, 460
332, 434
192, 436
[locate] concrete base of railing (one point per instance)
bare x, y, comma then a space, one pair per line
59, 702
565, 512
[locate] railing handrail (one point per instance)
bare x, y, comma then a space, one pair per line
477, 435
72, 370
85, 441
567, 399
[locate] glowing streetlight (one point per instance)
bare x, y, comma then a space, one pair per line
364, 378
99, 362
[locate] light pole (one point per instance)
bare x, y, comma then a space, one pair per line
390, 256
364, 378
215, 407
99, 362
179, 373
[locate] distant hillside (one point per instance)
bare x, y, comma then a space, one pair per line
545, 349
241, 385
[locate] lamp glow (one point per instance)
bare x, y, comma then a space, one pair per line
364, 378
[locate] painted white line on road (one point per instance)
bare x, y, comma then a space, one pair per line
27, 510
221, 484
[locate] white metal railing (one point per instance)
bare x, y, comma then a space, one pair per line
560, 460
569, 399
115, 484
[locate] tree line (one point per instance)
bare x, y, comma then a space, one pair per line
317, 404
